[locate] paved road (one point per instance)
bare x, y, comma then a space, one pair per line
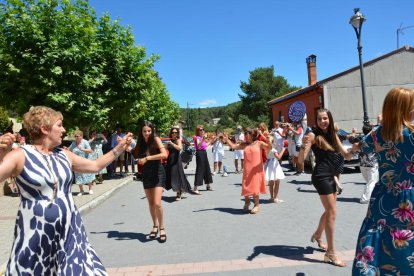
210, 234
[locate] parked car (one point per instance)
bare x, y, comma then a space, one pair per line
347, 141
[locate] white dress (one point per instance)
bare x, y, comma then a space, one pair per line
272, 168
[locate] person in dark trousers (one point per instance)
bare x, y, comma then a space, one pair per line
203, 171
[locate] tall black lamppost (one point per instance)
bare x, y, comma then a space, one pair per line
188, 116
356, 21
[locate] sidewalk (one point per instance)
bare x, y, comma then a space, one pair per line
9, 206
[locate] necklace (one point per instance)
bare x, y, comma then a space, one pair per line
55, 183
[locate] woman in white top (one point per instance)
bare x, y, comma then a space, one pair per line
218, 152
274, 172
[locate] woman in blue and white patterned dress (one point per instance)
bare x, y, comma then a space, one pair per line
385, 243
50, 238
82, 148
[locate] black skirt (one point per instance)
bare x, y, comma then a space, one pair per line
203, 172
153, 174
176, 178
325, 185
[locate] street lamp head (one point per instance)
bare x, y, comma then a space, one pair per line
357, 19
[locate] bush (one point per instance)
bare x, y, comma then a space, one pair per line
4, 119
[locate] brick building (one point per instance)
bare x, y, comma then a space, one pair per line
342, 94
311, 96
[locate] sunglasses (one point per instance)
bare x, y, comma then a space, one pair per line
174, 132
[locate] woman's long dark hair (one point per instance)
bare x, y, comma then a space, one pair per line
142, 145
171, 130
253, 132
328, 137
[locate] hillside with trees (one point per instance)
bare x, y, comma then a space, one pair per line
261, 87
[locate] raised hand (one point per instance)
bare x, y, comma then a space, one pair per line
305, 140
125, 142
6, 141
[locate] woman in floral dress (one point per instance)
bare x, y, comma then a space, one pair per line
385, 244
82, 148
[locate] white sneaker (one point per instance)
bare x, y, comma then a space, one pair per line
79, 194
213, 173
91, 192
225, 174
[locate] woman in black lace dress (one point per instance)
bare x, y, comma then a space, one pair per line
175, 172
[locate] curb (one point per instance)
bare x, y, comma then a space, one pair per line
98, 200
86, 208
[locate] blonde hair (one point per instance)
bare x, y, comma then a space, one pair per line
264, 126
38, 117
78, 132
197, 128
398, 104
270, 139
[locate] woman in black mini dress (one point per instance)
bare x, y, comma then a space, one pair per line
175, 171
325, 144
149, 152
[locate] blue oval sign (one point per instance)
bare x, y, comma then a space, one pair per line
296, 111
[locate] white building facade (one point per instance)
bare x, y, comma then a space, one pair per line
342, 93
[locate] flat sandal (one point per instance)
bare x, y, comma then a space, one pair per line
153, 234
163, 237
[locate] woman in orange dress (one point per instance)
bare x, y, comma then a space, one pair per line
253, 182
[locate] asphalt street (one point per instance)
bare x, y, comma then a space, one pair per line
212, 233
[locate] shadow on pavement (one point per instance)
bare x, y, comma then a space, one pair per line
168, 199
350, 171
299, 189
345, 199
171, 199
356, 183
300, 182
285, 251
265, 201
231, 211
120, 236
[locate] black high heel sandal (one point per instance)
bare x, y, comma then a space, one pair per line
153, 234
163, 237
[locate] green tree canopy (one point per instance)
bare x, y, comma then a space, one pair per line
262, 87
4, 119
58, 53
